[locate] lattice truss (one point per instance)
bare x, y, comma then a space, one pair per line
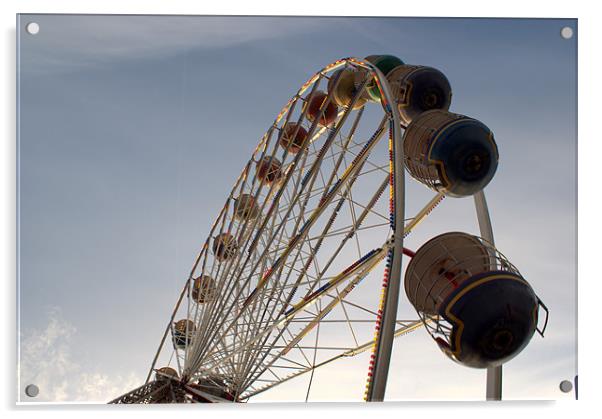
152, 393
300, 283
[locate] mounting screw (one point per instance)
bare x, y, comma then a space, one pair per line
566, 32
32, 390
566, 386
32, 28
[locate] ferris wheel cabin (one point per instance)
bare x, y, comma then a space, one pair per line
475, 304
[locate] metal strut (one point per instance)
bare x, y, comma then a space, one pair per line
385, 323
494, 374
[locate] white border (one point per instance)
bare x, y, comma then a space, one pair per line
589, 150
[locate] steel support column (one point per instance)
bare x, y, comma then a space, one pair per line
494, 374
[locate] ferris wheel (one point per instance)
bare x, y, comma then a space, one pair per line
303, 264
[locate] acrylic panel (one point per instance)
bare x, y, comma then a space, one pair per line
259, 209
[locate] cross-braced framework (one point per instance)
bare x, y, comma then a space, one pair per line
288, 279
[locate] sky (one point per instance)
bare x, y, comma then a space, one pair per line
132, 130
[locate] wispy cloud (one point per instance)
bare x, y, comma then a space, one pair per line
71, 42
47, 361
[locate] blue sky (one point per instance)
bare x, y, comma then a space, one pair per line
133, 129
